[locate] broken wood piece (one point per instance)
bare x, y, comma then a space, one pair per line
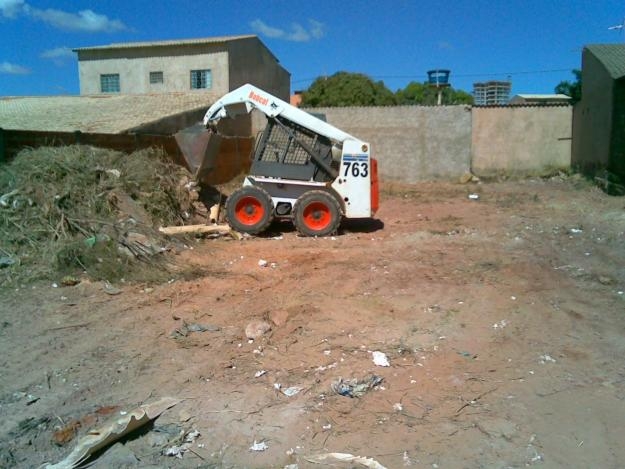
186, 229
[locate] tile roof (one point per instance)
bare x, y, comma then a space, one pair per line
101, 113
176, 42
612, 56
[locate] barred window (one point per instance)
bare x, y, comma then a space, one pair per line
156, 77
201, 79
109, 83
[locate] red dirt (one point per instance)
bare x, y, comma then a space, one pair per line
503, 319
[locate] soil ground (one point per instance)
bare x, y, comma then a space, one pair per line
503, 319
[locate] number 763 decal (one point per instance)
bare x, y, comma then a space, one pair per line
356, 169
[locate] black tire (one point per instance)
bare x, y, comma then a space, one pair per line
317, 213
249, 210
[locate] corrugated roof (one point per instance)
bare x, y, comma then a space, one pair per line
101, 113
176, 42
543, 96
612, 56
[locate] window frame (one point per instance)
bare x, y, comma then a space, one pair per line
201, 79
110, 83
157, 77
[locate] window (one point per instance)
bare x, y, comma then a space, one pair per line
109, 83
201, 79
156, 77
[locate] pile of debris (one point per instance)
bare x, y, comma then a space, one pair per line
80, 208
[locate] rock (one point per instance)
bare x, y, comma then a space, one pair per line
256, 329
279, 317
466, 177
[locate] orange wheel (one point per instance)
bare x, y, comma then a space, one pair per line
316, 213
317, 216
249, 210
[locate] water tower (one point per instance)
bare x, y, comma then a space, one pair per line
439, 79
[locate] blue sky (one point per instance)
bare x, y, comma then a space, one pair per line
535, 42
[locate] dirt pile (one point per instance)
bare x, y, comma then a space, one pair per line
66, 210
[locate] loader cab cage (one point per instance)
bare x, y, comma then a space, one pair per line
287, 150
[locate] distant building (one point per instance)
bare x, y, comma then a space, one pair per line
296, 98
214, 64
538, 99
599, 118
491, 93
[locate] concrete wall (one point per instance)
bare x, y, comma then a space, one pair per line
251, 62
520, 140
593, 116
411, 143
416, 143
135, 64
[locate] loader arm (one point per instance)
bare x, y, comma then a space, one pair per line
246, 98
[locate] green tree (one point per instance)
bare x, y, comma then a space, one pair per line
572, 89
423, 94
347, 89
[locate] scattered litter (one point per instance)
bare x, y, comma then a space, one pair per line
112, 432
500, 325
546, 359
398, 407
256, 329
474, 196
188, 327
354, 387
110, 289
576, 231
291, 391
327, 427
179, 450
259, 373
380, 359
262, 263
513, 298
291, 466
345, 457
262, 446
6, 261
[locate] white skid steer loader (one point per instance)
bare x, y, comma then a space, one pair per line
303, 169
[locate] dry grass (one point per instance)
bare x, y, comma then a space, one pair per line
68, 209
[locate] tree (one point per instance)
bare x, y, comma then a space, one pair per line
423, 94
572, 89
347, 89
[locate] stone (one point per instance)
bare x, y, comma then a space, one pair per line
257, 329
279, 317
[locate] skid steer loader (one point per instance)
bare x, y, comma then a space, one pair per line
302, 169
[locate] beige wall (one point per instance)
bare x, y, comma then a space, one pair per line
134, 67
411, 143
520, 140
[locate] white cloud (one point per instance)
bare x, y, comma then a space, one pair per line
59, 55
297, 33
83, 21
11, 8
260, 27
12, 69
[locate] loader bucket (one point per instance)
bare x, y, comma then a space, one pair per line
200, 147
